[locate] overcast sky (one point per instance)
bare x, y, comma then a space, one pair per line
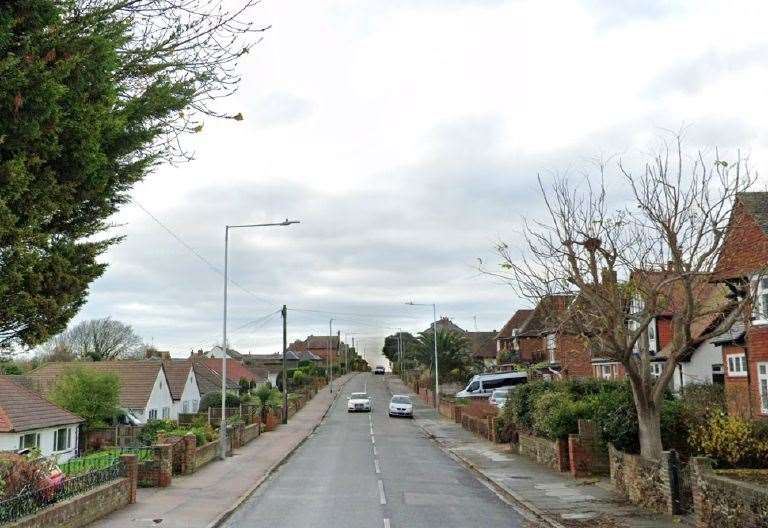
406, 135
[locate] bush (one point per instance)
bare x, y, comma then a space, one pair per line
556, 415
149, 432
20, 473
213, 399
732, 441
616, 418
519, 407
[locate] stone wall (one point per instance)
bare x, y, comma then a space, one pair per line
723, 502
83, 509
205, 453
553, 454
251, 432
586, 453
656, 485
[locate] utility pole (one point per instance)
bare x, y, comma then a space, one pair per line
285, 363
400, 350
353, 344
330, 354
338, 340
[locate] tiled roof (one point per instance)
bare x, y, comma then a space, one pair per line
483, 344
447, 325
757, 205
24, 410
517, 321
209, 381
137, 377
548, 315
236, 370
177, 372
321, 342
298, 346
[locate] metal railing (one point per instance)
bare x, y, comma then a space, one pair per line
30, 502
95, 461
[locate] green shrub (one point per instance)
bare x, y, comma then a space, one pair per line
519, 407
616, 418
149, 432
213, 399
556, 414
732, 441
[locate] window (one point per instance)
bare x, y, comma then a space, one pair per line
551, 345
652, 335
606, 371
737, 364
515, 343
61, 439
718, 376
656, 369
195, 405
166, 413
185, 407
473, 386
153, 414
29, 441
762, 384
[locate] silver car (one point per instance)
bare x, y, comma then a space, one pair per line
359, 402
401, 405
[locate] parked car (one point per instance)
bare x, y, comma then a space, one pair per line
401, 405
499, 397
379, 370
359, 402
482, 385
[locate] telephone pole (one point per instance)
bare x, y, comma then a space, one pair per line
400, 350
330, 354
285, 368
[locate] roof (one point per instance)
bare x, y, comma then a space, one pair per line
298, 346
516, 322
24, 410
308, 356
216, 352
321, 342
483, 344
756, 204
177, 372
236, 370
547, 316
734, 335
137, 377
447, 325
745, 247
209, 381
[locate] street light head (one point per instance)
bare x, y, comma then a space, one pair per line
410, 303
289, 222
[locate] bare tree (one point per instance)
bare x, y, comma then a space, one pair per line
102, 340
655, 254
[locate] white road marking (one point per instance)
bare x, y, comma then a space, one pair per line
373, 439
374, 450
376, 465
386, 523
382, 497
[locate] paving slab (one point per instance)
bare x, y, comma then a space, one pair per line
556, 498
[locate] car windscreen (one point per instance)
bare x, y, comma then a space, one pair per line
401, 399
358, 396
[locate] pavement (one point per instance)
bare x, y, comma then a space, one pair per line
207, 497
366, 470
555, 498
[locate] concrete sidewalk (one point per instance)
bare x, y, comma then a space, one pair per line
556, 498
207, 497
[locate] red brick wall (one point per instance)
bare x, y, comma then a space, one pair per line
531, 349
574, 357
664, 331
745, 248
757, 352
736, 388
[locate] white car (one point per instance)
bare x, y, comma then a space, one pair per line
401, 405
499, 397
359, 402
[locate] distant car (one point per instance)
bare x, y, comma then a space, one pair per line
379, 370
499, 397
401, 405
359, 402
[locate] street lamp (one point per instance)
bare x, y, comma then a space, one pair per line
434, 338
224, 348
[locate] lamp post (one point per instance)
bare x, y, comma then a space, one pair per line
434, 338
224, 348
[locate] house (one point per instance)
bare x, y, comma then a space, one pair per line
217, 352
506, 339
143, 384
182, 383
237, 371
209, 381
27, 420
482, 345
321, 346
744, 257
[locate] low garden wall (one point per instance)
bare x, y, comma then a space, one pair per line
656, 485
553, 454
158, 472
250, 432
587, 455
724, 502
205, 453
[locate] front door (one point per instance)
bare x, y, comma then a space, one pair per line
762, 384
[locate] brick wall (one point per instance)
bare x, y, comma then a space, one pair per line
650, 483
545, 451
251, 432
664, 331
574, 357
757, 343
586, 454
531, 349
736, 388
205, 453
158, 472
87, 507
722, 502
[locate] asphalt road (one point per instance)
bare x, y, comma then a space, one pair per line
365, 470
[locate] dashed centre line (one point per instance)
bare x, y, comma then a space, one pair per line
376, 466
386, 523
382, 497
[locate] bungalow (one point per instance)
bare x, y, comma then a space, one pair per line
144, 386
237, 371
27, 420
183, 385
744, 257
209, 381
482, 344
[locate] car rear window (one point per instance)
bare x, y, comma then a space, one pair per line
401, 399
359, 395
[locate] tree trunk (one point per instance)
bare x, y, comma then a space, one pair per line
649, 422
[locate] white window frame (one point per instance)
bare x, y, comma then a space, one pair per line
652, 336
166, 413
551, 340
515, 342
185, 406
195, 406
656, 368
56, 446
762, 385
36, 443
736, 365
606, 372
760, 308
152, 414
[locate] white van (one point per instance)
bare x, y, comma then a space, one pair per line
483, 385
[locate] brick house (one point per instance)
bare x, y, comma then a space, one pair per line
482, 344
506, 339
547, 337
744, 257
